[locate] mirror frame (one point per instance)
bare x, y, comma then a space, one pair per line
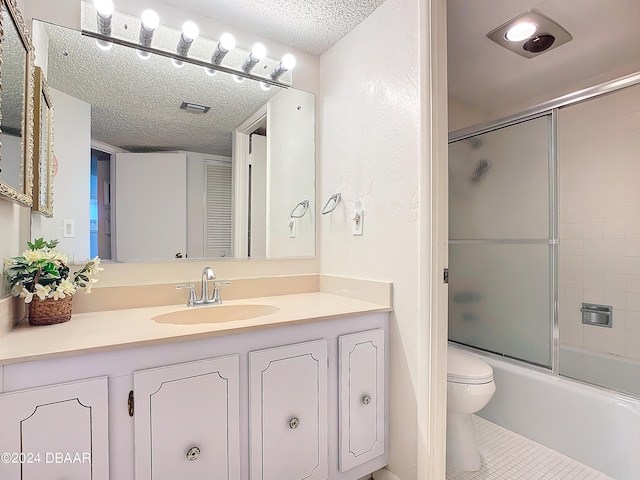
24, 196
43, 109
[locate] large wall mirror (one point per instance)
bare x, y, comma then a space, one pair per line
16, 106
163, 163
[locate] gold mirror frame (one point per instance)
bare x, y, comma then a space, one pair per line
42, 154
23, 197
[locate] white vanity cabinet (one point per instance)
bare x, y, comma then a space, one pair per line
288, 412
187, 421
55, 432
362, 397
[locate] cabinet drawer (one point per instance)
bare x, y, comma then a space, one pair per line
288, 412
362, 409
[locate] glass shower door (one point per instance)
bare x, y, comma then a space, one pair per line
501, 241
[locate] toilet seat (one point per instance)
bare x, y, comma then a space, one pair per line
462, 368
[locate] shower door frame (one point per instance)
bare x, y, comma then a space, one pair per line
549, 108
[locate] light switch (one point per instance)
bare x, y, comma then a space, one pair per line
68, 230
357, 219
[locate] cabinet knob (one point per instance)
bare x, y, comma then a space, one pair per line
366, 399
294, 423
193, 453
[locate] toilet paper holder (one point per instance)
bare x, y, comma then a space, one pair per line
597, 315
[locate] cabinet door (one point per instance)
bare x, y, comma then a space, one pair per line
288, 412
362, 411
186, 421
55, 432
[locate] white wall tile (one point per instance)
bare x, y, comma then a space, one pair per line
632, 191
632, 265
614, 230
632, 247
615, 282
615, 247
571, 247
595, 247
595, 264
593, 230
592, 296
632, 283
571, 279
594, 345
633, 302
632, 320
571, 263
618, 300
593, 281
633, 338
616, 264
571, 231
572, 199
632, 211
593, 213
633, 353
614, 213
632, 229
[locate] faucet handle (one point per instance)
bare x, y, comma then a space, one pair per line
221, 284
192, 293
216, 291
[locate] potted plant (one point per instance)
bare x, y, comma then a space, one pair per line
41, 276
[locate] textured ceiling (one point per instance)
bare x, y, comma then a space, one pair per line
606, 37
135, 104
312, 26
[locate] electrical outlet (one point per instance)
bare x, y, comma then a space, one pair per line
357, 217
293, 224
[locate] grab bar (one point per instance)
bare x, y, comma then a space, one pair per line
304, 204
336, 198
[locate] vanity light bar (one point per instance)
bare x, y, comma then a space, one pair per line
150, 21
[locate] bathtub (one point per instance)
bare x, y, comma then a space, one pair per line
597, 427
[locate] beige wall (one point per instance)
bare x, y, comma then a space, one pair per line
599, 257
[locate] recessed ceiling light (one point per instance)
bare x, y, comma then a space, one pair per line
520, 31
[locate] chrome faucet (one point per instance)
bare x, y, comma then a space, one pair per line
215, 299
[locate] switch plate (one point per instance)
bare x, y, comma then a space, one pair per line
68, 229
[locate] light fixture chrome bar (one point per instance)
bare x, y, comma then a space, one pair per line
173, 56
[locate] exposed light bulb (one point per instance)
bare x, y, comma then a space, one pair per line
190, 30
177, 63
520, 31
265, 86
288, 61
259, 51
150, 20
228, 41
104, 45
103, 7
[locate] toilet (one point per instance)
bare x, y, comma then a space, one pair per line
470, 386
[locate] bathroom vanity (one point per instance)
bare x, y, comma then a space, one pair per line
297, 393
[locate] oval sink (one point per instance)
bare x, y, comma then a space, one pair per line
215, 314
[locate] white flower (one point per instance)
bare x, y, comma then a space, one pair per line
41, 292
67, 287
32, 256
57, 294
59, 257
27, 295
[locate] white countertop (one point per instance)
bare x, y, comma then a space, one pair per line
116, 329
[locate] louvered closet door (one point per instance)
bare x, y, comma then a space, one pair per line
218, 211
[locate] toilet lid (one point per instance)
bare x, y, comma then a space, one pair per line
463, 368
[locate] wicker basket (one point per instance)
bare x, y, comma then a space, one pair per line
50, 311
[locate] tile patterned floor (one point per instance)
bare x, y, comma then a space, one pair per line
509, 456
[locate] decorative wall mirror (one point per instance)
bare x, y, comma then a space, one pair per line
16, 106
43, 147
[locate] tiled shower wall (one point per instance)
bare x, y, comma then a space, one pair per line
599, 220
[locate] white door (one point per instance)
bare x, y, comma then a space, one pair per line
187, 421
150, 220
362, 411
258, 212
288, 412
56, 432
